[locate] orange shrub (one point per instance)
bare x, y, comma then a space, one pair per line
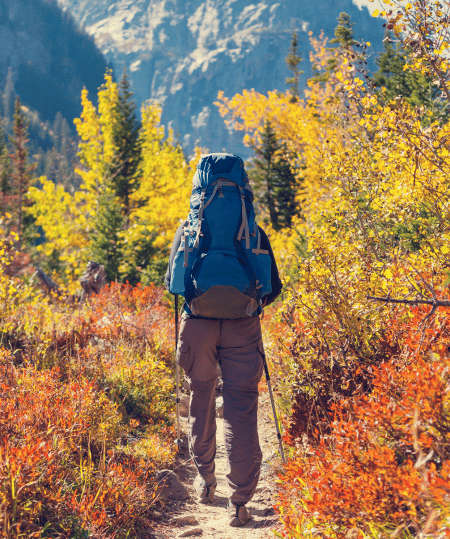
386, 460
60, 466
76, 382
135, 314
133, 331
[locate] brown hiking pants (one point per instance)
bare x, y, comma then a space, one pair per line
237, 346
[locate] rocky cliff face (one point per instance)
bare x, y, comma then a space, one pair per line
45, 58
182, 52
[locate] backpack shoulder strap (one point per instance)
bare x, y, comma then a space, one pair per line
200, 217
244, 225
217, 185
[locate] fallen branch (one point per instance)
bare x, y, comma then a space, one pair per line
45, 282
92, 281
434, 302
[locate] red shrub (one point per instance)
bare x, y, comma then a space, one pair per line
58, 464
387, 457
138, 314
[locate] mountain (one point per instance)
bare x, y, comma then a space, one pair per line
46, 59
182, 52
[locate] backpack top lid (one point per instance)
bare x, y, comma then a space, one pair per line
213, 166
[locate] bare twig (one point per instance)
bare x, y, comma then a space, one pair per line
434, 302
45, 282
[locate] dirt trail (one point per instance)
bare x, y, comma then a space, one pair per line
212, 520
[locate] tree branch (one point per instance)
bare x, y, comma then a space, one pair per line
434, 303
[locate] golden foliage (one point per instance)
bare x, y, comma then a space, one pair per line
159, 201
376, 222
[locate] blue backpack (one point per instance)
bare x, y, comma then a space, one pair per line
220, 268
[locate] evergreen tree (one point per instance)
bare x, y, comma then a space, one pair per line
59, 161
5, 166
293, 60
8, 97
145, 263
415, 87
345, 43
105, 245
276, 186
21, 168
56, 131
343, 33
67, 144
126, 139
50, 164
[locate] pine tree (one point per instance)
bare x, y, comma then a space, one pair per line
343, 33
5, 166
293, 60
345, 43
126, 140
59, 161
8, 97
276, 186
415, 87
56, 131
21, 168
67, 144
5, 172
105, 245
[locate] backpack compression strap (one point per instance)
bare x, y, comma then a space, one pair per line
258, 250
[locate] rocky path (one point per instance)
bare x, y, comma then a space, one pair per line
190, 519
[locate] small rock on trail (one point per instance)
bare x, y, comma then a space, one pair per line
188, 520
170, 487
195, 532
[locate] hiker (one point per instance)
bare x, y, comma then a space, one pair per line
221, 262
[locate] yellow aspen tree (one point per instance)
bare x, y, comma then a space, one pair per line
64, 222
67, 220
161, 201
96, 148
75, 226
377, 218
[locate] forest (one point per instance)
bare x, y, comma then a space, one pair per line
351, 179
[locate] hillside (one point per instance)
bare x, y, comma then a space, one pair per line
183, 53
45, 59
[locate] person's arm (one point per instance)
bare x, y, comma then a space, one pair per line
175, 245
274, 275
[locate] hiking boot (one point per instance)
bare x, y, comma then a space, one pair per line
238, 514
204, 493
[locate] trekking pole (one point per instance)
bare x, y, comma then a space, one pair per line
177, 374
266, 370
